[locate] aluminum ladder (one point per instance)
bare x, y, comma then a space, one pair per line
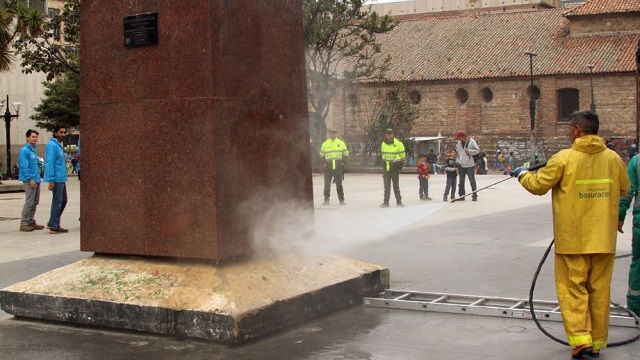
480, 305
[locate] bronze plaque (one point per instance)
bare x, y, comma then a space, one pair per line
141, 30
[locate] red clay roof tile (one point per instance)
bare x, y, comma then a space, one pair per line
494, 46
598, 7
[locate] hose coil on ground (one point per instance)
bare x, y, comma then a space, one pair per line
535, 319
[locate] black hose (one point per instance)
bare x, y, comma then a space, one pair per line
531, 168
535, 319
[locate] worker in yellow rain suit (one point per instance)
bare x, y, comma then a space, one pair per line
586, 182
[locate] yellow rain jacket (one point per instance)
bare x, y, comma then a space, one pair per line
587, 182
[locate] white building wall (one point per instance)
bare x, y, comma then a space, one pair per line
27, 89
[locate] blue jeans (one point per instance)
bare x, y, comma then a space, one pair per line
498, 165
470, 172
57, 204
451, 184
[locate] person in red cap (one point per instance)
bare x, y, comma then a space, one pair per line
466, 147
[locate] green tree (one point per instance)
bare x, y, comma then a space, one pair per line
61, 103
341, 47
16, 20
55, 49
386, 108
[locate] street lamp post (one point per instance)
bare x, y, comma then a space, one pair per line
532, 106
593, 102
7, 123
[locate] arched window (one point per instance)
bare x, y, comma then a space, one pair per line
568, 102
415, 97
352, 100
462, 95
533, 91
486, 94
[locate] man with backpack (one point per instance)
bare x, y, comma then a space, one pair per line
467, 150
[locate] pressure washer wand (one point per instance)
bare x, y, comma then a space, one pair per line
531, 168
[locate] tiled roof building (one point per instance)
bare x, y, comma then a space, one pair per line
606, 7
490, 46
481, 54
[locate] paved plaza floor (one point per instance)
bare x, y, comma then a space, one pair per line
488, 248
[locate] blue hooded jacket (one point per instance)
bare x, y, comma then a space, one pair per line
28, 163
55, 165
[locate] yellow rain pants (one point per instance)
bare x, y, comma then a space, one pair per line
583, 284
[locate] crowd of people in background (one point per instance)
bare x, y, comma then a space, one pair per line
464, 162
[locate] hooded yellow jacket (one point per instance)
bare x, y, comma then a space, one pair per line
587, 182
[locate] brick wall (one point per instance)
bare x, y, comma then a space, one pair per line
585, 25
504, 122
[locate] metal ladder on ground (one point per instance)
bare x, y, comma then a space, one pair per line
480, 305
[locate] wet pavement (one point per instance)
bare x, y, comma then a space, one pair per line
488, 248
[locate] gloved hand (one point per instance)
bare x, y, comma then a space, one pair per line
518, 171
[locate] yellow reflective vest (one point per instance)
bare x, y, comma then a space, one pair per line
586, 182
392, 153
333, 150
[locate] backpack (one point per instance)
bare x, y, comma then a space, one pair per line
476, 156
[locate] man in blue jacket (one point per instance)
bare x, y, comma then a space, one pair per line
30, 177
55, 173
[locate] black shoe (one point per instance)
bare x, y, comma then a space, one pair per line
474, 199
579, 351
325, 203
384, 205
400, 204
342, 202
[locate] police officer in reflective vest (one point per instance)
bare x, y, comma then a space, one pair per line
334, 151
392, 151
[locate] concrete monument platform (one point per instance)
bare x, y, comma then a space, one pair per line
225, 303
194, 126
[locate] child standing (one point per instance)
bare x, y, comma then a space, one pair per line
423, 177
451, 168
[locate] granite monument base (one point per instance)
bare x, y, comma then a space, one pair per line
228, 303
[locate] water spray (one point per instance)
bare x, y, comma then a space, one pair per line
532, 168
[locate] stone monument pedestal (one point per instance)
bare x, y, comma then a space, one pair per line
194, 124
228, 303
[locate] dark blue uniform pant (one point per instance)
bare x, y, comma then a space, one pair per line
388, 177
333, 174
